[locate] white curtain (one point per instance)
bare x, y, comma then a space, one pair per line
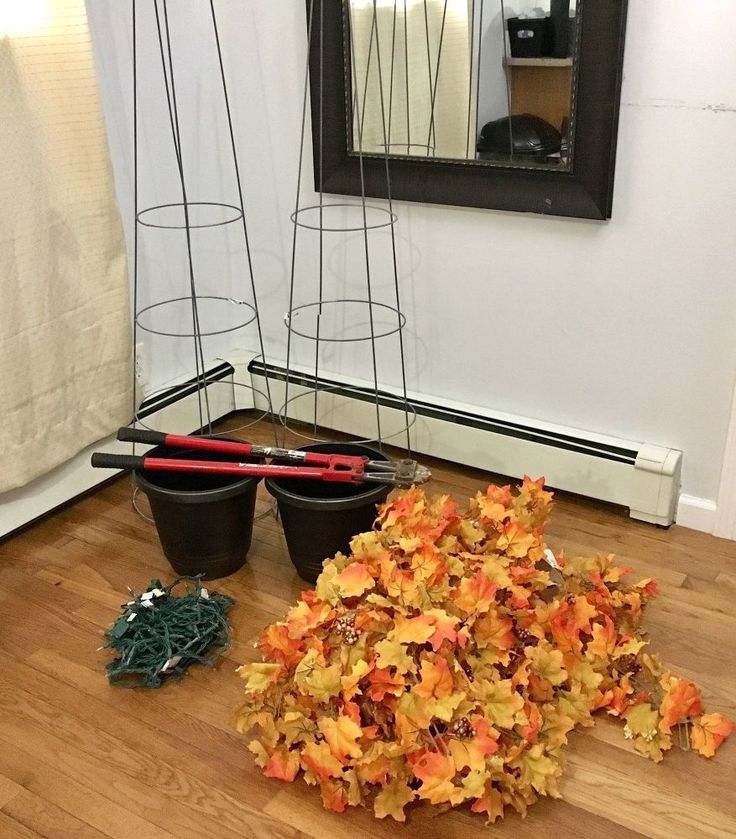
65, 353
423, 62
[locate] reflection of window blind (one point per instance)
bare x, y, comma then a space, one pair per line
416, 67
65, 344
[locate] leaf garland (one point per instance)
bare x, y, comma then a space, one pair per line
446, 660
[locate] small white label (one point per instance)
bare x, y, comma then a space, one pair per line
204, 594
551, 559
132, 616
170, 663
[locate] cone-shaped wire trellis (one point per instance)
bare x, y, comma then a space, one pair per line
358, 317
189, 216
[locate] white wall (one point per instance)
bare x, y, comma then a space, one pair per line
625, 327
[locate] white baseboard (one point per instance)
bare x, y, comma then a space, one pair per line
697, 513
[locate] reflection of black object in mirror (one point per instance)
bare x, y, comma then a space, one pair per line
559, 28
532, 138
529, 37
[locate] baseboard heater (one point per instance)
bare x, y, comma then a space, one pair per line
175, 409
643, 477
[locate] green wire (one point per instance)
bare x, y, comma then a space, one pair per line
189, 626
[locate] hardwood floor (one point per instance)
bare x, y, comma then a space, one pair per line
79, 758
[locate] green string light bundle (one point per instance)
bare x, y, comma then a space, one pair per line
159, 633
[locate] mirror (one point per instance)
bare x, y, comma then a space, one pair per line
487, 81
504, 104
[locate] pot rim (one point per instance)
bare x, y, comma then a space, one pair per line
239, 486
373, 494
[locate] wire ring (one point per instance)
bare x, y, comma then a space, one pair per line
198, 388
289, 320
392, 218
172, 300
283, 419
152, 210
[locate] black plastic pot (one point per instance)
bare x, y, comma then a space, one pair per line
320, 518
204, 522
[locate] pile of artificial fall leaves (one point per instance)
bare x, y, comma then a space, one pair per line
447, 660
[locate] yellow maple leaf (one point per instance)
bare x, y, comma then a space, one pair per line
326, 587
393, 654
642, 727
502, 704
576, 705
547, 662
641, 721
258, 750
296, 727
350, 682
392, 799
312, 677
445, 708
415, 709
583, 676
539, 771
342, 736
259, 675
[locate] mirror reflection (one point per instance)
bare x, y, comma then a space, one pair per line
487, 81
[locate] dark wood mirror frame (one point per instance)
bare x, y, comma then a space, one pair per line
585, 191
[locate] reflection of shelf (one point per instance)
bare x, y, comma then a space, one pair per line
540, 86
537, 62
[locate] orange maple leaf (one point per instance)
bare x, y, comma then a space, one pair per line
304, 617
413, 630
681, 699
275, 643
515, 540
491, 803
334, 795
436, 679
494, 631
282, 764
472, 753
709, 731
318, 759
603, 641
342, 736
475, 594
444, 627
354, 580
383, 682
436, 772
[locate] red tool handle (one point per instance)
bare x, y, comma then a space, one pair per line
159, 438
219, 467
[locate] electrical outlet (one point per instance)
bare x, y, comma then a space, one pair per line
141, 366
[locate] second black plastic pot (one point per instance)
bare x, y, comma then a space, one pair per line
204, 522
320, 517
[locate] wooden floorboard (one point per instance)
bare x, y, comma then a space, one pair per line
79, 758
